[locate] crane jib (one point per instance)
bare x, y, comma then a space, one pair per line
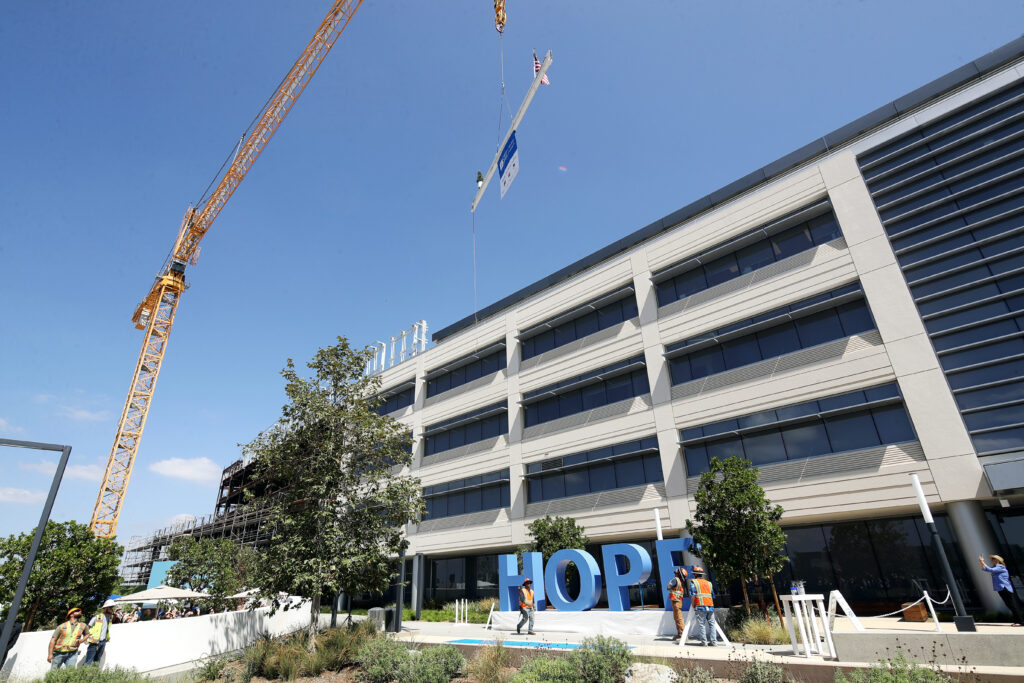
156, 313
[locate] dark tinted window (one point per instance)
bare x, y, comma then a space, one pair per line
569, 331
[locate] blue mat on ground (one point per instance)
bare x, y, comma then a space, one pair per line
519, 643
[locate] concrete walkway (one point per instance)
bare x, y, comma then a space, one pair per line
725, 661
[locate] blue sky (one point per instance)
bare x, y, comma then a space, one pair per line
355, 221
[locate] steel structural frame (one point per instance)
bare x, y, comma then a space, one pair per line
19, 593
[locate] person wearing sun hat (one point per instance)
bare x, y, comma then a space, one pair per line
1001, 584
66, 639
99, 634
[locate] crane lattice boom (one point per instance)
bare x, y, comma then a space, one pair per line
155, 314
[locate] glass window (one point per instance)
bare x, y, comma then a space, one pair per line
569, 403
1004, 393
577, 482
473, 500
458, 376
742, 351
853, 398
764, 447
792, 241
602, 477
609, 315
547, 410
640, 385
778, 340
856, 317
824, 228
593, 396
851, 432
457, 437
981, 354
535, 492
586, 325
619, 388
490, 497
652, 468
456, 504
893, 424
725, 448
757, 255
721, 270
706, 362
473, 432
974, 334
629, 472
809, 557
995, 417
819, 328
991, 373
798, 410
490, 427
680, 369
690, 282
806, 440
696, 459
1003, 439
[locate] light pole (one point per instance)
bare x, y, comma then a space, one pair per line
962, 620
19, 593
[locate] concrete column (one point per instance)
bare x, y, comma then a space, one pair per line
976, 538
417, 584
516, 469
661, 386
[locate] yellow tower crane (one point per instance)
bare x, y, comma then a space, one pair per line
155, 315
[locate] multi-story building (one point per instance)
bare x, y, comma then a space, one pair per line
843, 317
239, 515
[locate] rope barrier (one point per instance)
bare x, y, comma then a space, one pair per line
921, 599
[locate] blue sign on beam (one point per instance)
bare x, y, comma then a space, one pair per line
508, 163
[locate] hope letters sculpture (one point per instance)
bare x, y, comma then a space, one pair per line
618, 579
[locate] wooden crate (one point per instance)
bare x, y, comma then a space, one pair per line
912, 612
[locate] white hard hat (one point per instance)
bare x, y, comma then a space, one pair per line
109, 603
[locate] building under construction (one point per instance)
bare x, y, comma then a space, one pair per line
234, 518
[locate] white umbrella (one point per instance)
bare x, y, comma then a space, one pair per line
244, 594
160, 593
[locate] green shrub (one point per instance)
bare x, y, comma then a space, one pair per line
896, 670
763, 672
210, 670
491, 663
601, 659
547, 670
760, 632
445, 659
254, 660
92, 674
338, 647
383, 659
688, 673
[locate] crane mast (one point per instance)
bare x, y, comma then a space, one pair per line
155, 314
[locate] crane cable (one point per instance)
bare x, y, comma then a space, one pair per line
503, 103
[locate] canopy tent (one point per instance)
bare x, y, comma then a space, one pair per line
244, 594
161, 593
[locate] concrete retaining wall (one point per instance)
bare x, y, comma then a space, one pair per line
159, 645
970, 649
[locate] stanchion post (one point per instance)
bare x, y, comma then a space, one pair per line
963, 621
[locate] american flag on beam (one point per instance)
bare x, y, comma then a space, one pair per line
536, 70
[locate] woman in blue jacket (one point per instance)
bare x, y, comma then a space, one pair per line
1001, 584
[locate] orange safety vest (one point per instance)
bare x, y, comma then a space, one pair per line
525, 598
67, 635
701, 593
675, 590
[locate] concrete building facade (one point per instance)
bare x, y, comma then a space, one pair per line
843, 317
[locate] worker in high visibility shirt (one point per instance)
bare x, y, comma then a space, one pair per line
65, 641
527, 605
99, 634
676, 595
702, 601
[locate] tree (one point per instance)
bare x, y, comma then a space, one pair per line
219, 567
337, 522
551, 534
73, 569
735, 524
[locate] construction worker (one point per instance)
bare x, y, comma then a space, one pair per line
702, 601
65, 641
676, 594
99, 634
526, 606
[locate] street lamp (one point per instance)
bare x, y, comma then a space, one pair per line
19, 593
962, 620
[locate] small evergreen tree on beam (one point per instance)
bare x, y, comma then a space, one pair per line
736, 525
337, 523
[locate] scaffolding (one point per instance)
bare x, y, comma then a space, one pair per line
234, 519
